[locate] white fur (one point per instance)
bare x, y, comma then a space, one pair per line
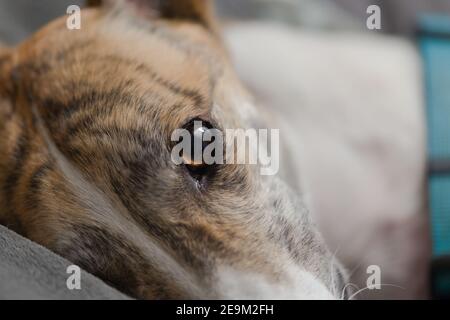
299, 284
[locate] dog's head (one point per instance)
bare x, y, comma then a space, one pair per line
88, 170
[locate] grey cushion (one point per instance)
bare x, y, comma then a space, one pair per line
30, 271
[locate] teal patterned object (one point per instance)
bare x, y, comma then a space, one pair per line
435, 48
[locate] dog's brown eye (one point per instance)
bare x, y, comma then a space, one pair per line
194, 160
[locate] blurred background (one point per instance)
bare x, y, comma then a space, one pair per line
20, 17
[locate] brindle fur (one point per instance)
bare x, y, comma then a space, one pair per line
88, 173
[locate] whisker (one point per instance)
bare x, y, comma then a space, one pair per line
368, 288
345, 287
333, 259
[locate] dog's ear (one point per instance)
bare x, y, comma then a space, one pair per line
197, 11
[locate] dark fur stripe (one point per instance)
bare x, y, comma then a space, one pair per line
127, 275
21, 152
92, 96
34, 185
37, 177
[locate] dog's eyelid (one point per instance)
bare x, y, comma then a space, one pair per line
202, 118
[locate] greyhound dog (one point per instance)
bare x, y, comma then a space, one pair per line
86, 118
